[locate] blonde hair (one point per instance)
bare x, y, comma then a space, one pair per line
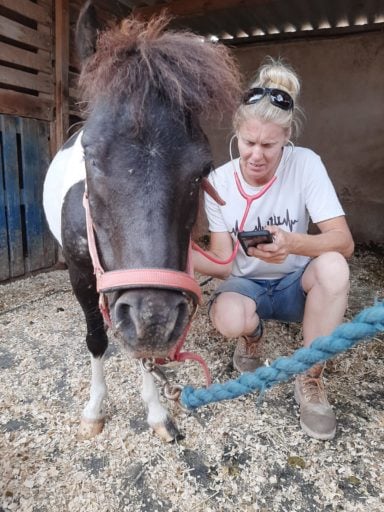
273, 74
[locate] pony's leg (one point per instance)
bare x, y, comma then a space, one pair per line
158, 418
92, 420
84, 287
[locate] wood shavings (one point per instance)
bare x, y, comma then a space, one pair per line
248, 454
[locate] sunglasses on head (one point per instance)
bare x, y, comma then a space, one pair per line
277, 97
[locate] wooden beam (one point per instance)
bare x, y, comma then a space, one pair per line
29, 9
39, 61
18, 32
41, 82
20, 104
61, 71
195, 7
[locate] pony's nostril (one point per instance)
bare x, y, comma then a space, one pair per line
122, 311
123, 319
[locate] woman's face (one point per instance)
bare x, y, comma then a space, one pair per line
260, 147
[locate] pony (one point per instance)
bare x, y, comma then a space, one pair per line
121, 196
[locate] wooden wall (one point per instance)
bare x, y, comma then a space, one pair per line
26, 70
38, 62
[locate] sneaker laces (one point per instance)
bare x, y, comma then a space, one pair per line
313, 388
252, 347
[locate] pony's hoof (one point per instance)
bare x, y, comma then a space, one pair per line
90, 428
167, 431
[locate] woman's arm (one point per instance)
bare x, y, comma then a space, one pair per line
221, 247
334, 236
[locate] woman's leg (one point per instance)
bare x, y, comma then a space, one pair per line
326, 282
234, 315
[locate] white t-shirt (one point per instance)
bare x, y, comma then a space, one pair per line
301, 191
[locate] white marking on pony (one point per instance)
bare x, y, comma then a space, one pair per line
66, 169
93, 411
82, 244
157, 413
158, 418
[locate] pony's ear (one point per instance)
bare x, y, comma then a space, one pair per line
87, 30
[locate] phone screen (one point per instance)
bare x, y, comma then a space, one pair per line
254, 238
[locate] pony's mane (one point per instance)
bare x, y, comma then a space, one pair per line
136, 57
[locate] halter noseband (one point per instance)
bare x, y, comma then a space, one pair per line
107, 281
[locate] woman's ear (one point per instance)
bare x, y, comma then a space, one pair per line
287, 136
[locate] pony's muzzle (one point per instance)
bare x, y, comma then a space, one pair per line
149, 321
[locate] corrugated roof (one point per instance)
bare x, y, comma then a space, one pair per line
244, 21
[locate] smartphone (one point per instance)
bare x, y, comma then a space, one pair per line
254, 238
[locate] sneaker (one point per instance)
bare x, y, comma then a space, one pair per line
248, 352
317, 418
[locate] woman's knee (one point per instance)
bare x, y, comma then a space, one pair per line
230, 313
330, 271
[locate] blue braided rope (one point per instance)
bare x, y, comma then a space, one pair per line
366, 324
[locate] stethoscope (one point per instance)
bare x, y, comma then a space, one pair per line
249, 198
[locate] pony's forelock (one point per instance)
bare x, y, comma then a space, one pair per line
136, 57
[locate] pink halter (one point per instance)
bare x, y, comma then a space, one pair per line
139, 278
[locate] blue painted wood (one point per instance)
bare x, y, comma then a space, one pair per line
12, 195
4, 256
49, 243
31, 194
25, 241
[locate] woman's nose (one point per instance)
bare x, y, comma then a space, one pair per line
257, 152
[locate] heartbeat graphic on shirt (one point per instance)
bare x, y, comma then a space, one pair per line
274, 220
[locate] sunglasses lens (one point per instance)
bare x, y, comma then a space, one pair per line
281, 99
253, 95
277, 97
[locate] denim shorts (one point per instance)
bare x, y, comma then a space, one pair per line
276, 299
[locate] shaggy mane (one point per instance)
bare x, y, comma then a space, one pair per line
136, 57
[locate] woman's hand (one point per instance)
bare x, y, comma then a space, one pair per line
275, 252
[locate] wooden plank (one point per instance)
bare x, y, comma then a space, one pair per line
29, 10
14, 55
32, 197
195, 7
18, 32
12, 195
74, 93
17, 103
4, 256
42, 82
61, 70
45, 156
45, 3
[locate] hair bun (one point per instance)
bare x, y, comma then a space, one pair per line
276, 74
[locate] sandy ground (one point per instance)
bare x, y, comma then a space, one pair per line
247, 454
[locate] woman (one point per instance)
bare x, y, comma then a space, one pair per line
299, 277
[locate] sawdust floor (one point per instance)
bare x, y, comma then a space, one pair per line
243, 455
